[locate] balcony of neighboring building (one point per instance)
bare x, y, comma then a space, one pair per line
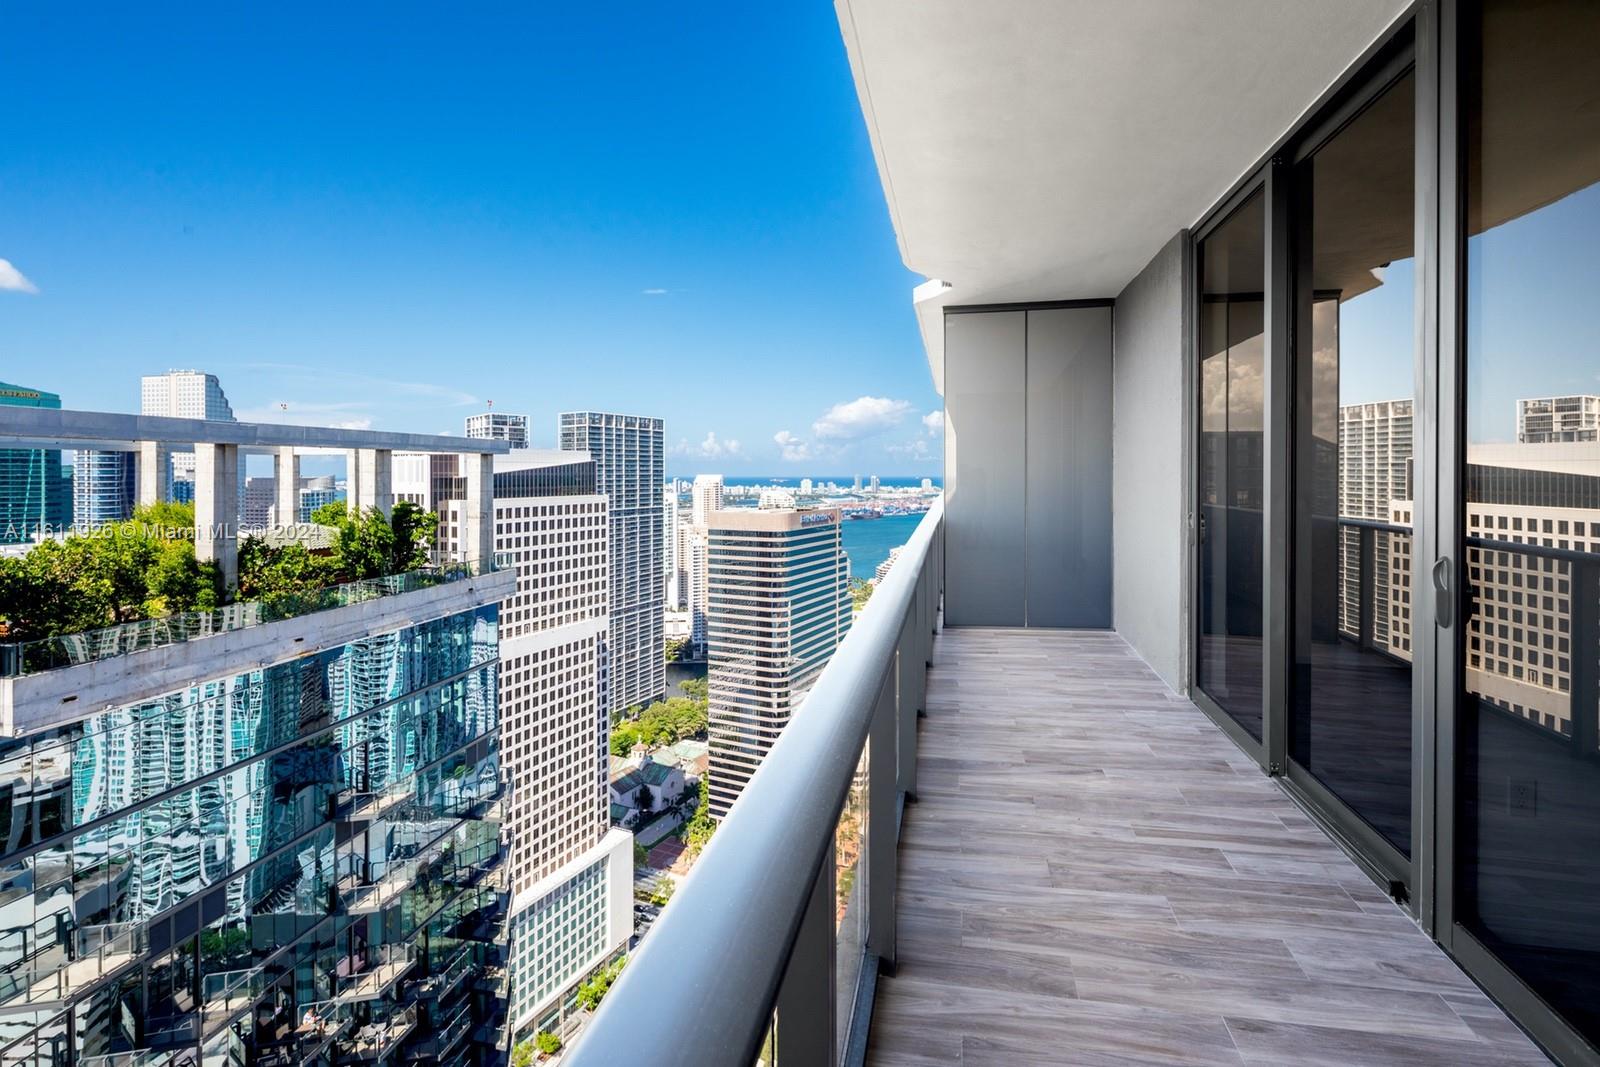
56, 664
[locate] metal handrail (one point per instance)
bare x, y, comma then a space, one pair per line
717, 956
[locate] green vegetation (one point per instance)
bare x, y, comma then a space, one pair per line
860, 592
145, 568
522, 1054
549, 1044
697, 689
641, 855
123, 572
662, 723
365, 546
677, 649
594, 990
698, 830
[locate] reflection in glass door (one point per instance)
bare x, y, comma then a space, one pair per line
1527, 767
1350, 713
1228, 663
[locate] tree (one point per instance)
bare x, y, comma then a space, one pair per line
136, 569
698, 830
594, 990
641, 855
860, 592
697, 689
644, 798
549, 1044
677, 649
522, 1054
623, 738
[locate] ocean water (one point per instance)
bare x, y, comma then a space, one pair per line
867, 541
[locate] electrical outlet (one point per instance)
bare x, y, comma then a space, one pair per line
1524, 796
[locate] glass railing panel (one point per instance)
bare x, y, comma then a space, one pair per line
850, 897
68, 650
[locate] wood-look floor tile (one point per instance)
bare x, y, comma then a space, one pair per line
1095, 876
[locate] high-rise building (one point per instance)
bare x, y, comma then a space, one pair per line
696, 547
778, 604
184, 394
35, 493
629, 457
571, 873
705, 498
285, 849
499, 426
672, 543
873, 483
805, 485
1545, 495
1555, 419
104, 487
1375, 444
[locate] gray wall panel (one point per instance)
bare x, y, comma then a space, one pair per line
1151, 463
1068, 555
985, 382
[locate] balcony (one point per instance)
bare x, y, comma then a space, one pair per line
1033, 851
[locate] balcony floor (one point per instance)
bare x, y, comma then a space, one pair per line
1095, 875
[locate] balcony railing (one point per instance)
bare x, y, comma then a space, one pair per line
70, 650
789, 912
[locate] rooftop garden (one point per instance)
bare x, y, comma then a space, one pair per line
145, 568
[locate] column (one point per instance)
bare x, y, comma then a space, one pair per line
477, 510
216, 508
352, 478
374, 480
155, 475
286, 483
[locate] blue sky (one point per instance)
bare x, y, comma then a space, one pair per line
386, 215
1532, 329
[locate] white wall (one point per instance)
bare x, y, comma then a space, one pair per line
1150, 463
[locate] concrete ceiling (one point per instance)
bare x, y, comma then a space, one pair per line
1047, 149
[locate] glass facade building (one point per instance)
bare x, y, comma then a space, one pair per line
291, 864
105, 487
35, 492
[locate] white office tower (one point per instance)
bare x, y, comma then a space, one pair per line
873, 482
1555, 419
779, 605
628, 452
697, 572
499, 426
706, 497
805, 485
672, 542
571, 872
1374, 456
184, 394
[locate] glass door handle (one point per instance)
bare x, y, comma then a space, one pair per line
1442, 613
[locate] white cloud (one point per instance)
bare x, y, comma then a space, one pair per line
861, 417
654, 292
712, 447
13, 280
934, 421
917, 448
790, 447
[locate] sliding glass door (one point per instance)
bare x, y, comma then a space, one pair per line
1231, 531
1527, 739
1354, 374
